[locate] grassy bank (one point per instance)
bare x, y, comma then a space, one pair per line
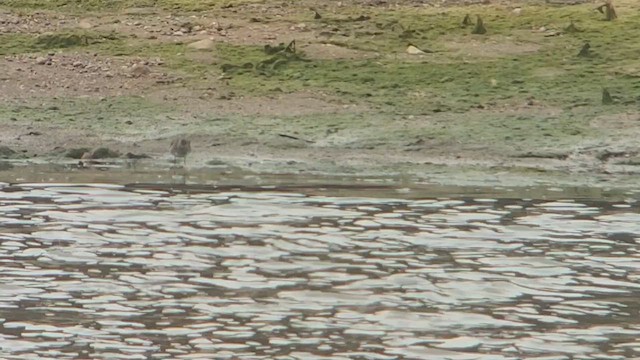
519, 87
513, 62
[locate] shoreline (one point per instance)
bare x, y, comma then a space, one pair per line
433, 182
512, 107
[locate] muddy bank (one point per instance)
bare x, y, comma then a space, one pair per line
513, 106
400, 180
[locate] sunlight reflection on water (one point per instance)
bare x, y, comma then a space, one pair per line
126, 272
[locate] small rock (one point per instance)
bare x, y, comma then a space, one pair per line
84, 24
204, 44
301, 26
136, 156
517, 11
178, 33
77, 153
412, 50
197, 28
138, 70
41, 60
103, 153
77, 64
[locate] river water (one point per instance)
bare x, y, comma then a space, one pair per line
147, 272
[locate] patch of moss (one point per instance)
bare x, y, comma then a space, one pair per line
460, 80
18, 43
76, 153
56, 41
106, 116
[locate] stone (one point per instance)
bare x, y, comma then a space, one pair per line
104, 153
412, 50
85, 24
76, 153
204, 44
139, 69
43, 60
130, 155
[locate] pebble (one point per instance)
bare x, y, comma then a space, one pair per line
139, 69
42, 60
85, 24
204, 44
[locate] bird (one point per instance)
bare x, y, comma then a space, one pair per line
180, 147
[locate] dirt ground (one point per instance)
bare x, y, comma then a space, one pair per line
59, 99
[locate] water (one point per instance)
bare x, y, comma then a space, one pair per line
140, 272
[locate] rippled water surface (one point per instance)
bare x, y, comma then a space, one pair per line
121, 272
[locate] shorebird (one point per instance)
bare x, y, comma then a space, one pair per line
180, 147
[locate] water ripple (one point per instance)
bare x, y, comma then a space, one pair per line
114, 272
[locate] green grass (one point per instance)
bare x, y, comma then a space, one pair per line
444, 81
447, 81
18, 43
426, 87
106, 116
